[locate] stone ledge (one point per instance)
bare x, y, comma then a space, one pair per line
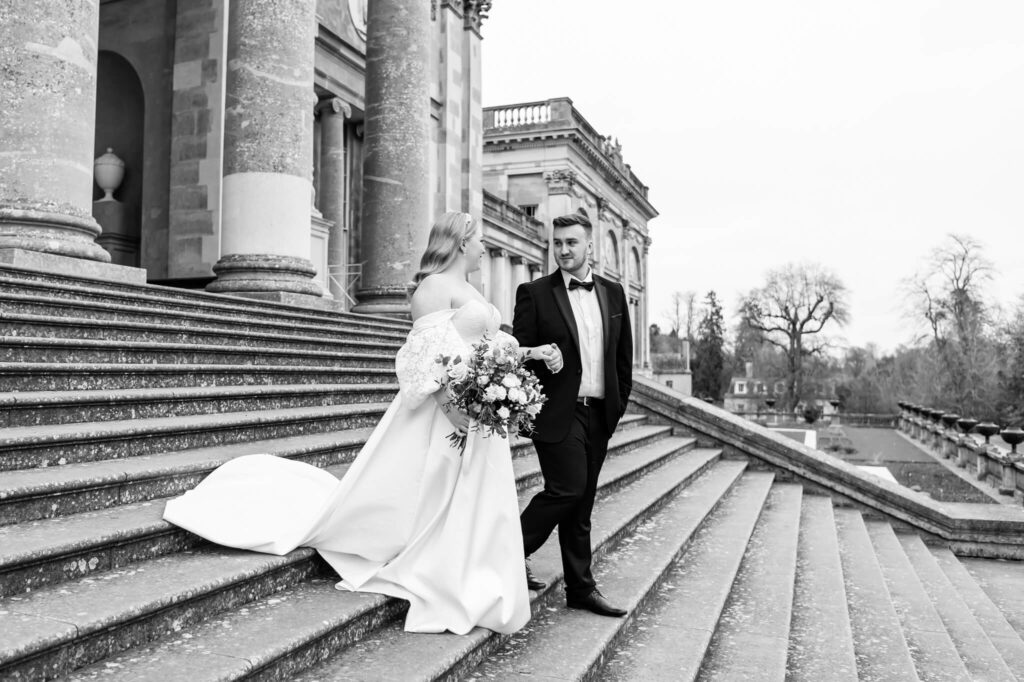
996, 533
53, 264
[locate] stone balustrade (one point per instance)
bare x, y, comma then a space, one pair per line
989, 460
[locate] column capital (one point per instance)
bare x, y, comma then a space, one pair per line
560, 181
474, 13
497, 252
334, 105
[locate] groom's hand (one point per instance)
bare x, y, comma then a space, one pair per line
552, 357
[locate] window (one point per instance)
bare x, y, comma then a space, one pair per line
741, 387
529, 209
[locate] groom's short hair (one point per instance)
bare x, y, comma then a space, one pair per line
580, 218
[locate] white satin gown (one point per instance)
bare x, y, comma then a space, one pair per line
411, 518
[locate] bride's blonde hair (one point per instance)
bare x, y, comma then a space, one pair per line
443, 245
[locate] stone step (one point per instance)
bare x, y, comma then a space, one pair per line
40, 493
70, 547
25, 376
878, 641
671, 634
391, 654
981, 658
820, 638
17, 349
752, 636
118, 310
24, 447
934, 654
54, 630
1000, 632
36, 408
17, 324
632, 572
19, 285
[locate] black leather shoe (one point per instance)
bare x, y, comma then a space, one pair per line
532, 582
596, 603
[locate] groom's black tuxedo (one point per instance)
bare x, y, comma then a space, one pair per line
571, 438
543, 315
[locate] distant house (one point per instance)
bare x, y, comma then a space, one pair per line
747, 393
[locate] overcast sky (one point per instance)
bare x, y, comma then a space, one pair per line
854, 134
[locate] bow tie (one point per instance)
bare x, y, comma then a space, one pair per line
576, 284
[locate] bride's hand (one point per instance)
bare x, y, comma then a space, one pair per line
458, 418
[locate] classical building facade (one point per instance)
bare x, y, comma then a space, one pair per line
284, 149
291, 150
546, 160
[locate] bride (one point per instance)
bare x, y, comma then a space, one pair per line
412, 518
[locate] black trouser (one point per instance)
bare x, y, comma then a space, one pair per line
570, 470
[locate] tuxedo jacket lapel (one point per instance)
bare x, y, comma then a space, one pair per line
604, 302
562, 301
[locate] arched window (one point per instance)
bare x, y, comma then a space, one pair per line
611, 249
636, 266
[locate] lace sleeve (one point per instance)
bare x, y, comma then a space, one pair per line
508, 340
419, 373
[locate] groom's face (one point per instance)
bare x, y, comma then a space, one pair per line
572, 249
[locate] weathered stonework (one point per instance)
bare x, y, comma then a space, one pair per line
268, 148
48, 79
396, 202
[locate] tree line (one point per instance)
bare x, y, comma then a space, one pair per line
968, 358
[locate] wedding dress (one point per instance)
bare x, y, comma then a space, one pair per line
411, 518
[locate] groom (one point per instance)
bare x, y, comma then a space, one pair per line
587, 377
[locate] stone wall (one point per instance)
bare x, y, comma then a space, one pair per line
137, 31
196, 139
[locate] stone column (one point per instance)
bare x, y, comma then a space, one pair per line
333, 188
499, 283
268, 150
486, 288
47, 115
519, 276
396, 199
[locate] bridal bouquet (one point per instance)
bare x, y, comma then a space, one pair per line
494, 387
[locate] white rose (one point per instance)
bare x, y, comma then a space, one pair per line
483, 380
533, 410
493, 393
504, 412
511, 381
517, 395
458, 371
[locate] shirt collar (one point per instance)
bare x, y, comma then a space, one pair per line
566, 277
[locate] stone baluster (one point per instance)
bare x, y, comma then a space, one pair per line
268, 150
48, 57
333, 187
396, 198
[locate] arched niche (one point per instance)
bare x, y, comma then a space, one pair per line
637, 275
120, 125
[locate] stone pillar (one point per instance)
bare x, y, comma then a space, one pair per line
519, 276
396, 197
486, 288
333, 188
268, 150
48, 59
499, 283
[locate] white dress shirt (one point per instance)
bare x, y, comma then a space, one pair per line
587, 312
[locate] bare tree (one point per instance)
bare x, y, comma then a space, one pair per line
948, 296
680, 313
793, 306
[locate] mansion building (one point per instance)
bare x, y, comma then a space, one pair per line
289, 150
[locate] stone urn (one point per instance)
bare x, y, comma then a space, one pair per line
108, 172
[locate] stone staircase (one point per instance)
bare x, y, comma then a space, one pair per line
115, 397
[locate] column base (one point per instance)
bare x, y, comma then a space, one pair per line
53, 264
392, 301
54, 233
288, 298
264, 273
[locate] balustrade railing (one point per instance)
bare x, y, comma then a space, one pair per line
515, 115
985, 450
